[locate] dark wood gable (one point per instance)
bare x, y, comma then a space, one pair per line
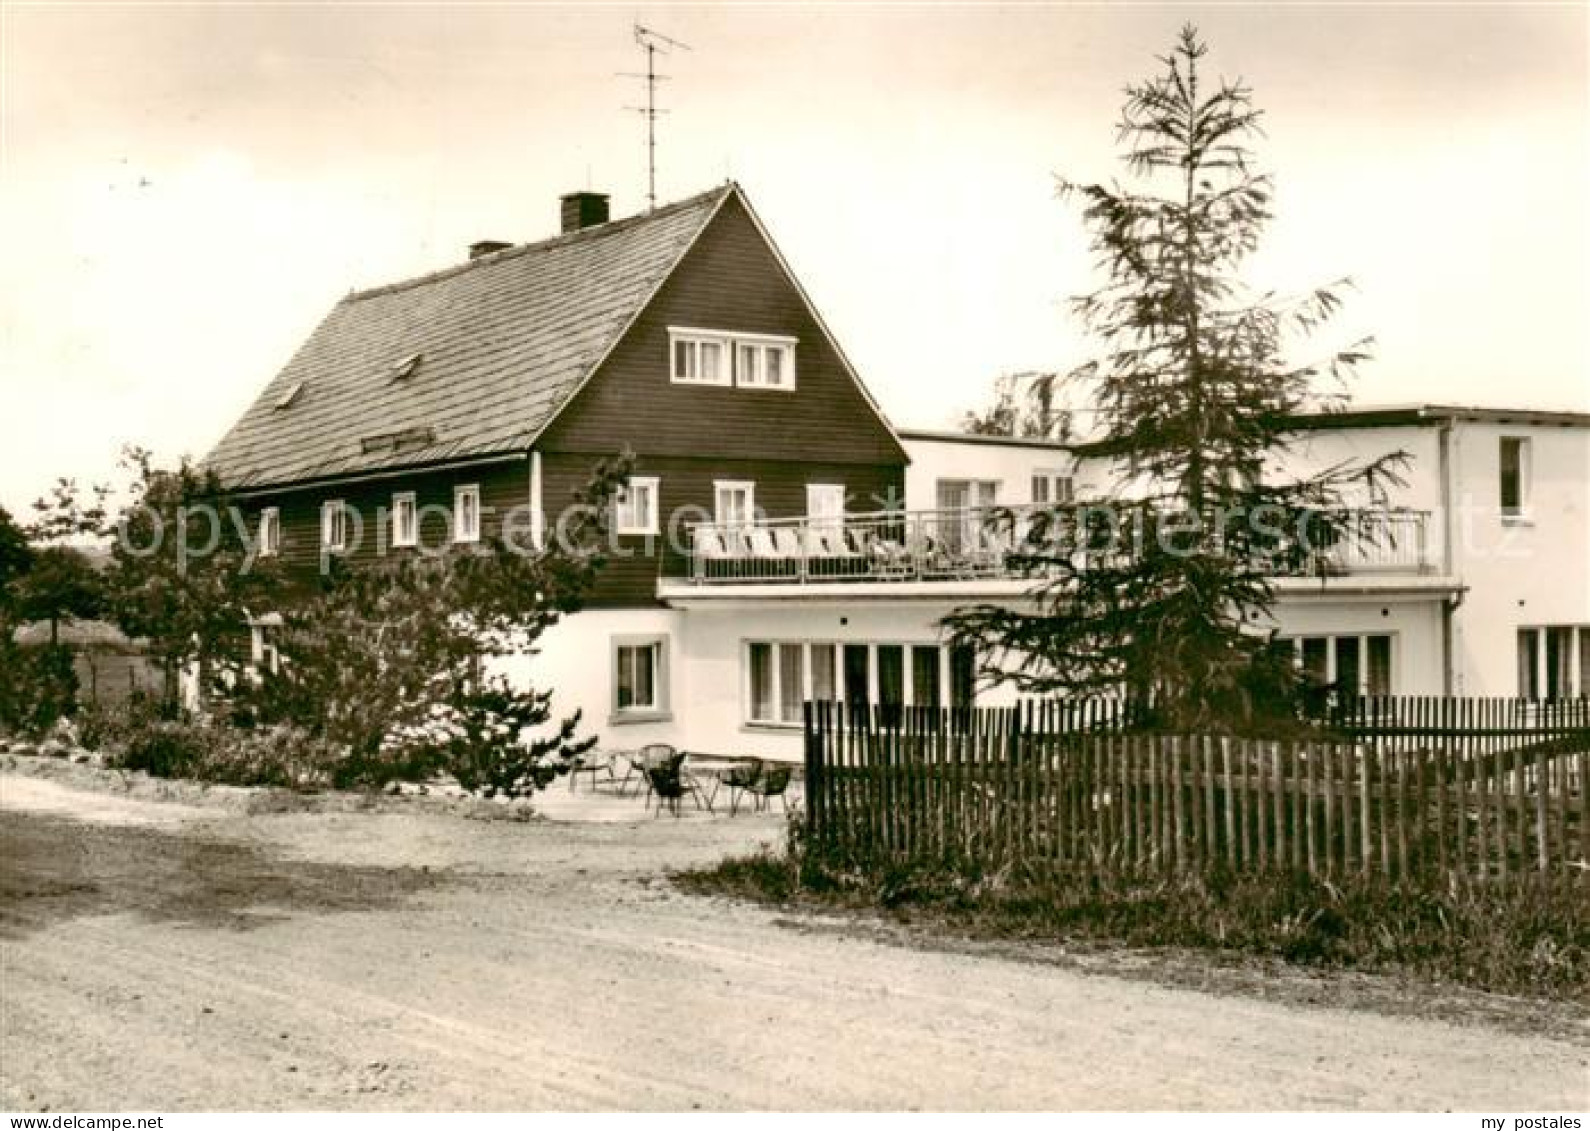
729, 280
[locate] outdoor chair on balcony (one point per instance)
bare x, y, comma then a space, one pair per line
772, 558
890, 558
715, 552
832, 553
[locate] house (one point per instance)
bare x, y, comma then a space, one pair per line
779, 540
441, 408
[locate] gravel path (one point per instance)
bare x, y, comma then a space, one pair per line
167, 957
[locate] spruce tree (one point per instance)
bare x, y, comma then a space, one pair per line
1162, 586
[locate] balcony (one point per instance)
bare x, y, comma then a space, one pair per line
947, 549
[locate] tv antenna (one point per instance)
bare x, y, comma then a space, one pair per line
652, 42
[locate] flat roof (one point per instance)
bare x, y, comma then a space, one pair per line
1384, 416
947, 437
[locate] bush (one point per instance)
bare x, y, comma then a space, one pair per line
485, 737
107, 727
38, 688
282, 757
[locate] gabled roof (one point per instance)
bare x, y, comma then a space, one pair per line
466, 362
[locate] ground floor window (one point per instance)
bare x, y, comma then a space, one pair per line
1554, 661
781, 676
1352, 665
640, 678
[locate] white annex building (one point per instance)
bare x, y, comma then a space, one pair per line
1477, 582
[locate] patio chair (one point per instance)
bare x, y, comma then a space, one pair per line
772, 782
669, 784
739, 781
593, 762
642, 760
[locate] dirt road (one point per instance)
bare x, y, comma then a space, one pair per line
160, 957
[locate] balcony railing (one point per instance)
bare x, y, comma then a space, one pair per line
987, 543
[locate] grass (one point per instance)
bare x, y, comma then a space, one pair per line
1516, 939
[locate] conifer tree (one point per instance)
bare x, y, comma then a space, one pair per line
1162, 585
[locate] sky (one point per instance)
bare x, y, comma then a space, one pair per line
185, 190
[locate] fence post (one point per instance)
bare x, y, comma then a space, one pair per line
814, 782
1542, 764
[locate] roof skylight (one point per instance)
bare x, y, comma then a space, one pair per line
289, 395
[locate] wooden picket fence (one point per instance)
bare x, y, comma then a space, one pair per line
1026, 785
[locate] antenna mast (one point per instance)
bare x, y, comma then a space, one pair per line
652, 42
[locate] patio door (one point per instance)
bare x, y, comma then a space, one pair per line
960, 533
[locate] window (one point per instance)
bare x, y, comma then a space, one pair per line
721, 357
925, 666
764, 363
1514, 476
700, 358
825, 675
781, 676
733, 502
636, 506
825, 505
1353, 665
963, 676
405, 530
857, 672
1051, 487
1554, 661
333, 525
270, 532
778, 680
639, 677
466, 513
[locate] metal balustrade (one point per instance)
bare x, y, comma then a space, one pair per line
989, 543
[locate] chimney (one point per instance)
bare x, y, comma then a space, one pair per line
583, 210
487, 247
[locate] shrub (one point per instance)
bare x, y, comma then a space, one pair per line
165, 748
38, 688
485, 738
283, 757
107, 727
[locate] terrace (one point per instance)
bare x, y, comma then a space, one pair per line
979, 545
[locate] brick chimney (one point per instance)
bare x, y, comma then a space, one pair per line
583, 210
487, 247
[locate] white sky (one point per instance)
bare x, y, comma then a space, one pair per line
185, 191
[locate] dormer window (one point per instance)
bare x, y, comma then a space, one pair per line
289, 395
404, 369
731, 358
